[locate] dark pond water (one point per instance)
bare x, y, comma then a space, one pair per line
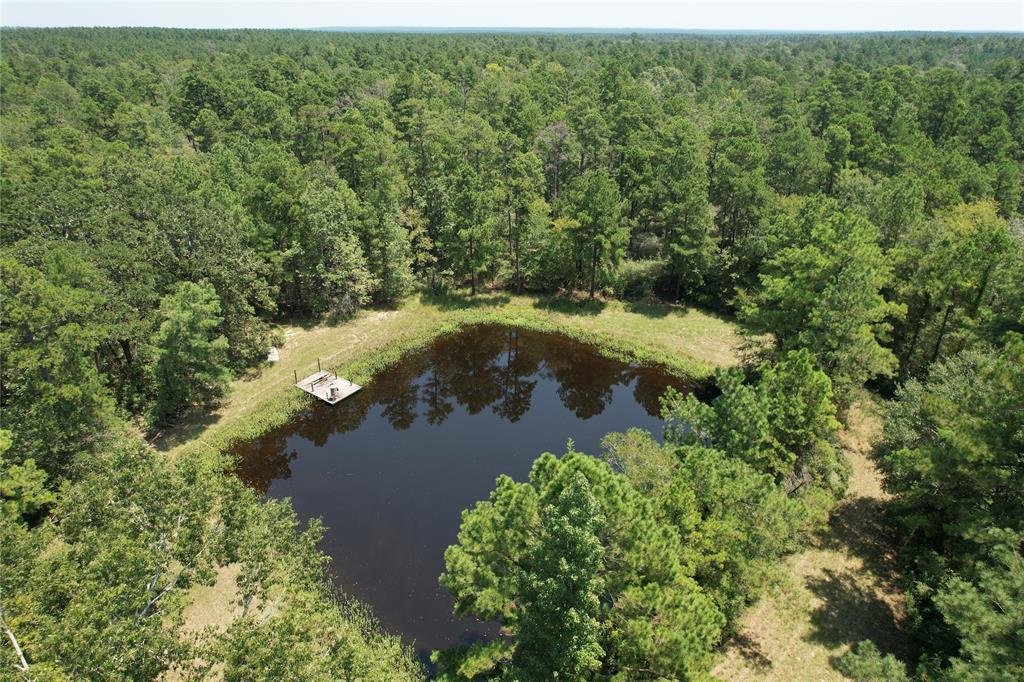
390, 469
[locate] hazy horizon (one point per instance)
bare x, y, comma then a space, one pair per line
749, 16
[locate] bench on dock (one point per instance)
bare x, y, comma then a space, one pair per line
328, 387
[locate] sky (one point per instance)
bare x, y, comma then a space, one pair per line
765, 15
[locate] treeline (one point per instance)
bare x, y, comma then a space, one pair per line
855, 200
306, 174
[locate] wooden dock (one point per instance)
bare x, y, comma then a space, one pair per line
328, 387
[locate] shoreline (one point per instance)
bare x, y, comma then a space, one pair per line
415, 323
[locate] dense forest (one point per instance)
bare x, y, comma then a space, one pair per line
169, 197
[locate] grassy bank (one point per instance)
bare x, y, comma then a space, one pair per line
829, 596
840, 590
687, 342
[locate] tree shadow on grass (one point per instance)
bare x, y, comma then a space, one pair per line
861, 527
462, 302
653, 309
860, 603
303, 322
851, 612
185, 429
570, 306
750, 650
331, 318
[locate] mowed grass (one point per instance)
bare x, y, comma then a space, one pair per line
837, 592
688, 342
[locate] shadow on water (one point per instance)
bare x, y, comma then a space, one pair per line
390, 469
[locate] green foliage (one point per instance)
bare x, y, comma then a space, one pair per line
313, 173
736, 421
746, 524
796, 159
577, 565
951, 455
987, 611
191, 362
734, 521
837, 149
683, 213
472, 211
472, 661
525, 208
598, 235
802, 415
783, 425
953, 445
558, 633
311, 638
89, 588
328, 272
54, 400
822, 291
22, 486
736, 173
865, 663
954, 274
744, 478
474, 160
97, 590
637, 279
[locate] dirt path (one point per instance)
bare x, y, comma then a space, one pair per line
836, 593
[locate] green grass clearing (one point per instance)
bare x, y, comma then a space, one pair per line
686, 341
839, 591
829, 596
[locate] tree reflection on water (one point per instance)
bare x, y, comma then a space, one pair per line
390, 469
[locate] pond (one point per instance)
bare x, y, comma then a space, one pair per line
390, 469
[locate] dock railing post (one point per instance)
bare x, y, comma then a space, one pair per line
296, 373
318, 368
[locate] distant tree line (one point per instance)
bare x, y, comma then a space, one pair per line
167, 196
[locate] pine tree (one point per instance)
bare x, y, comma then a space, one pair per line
559, 630
822, 290
534, 557
600, 236
191, 358
683, 209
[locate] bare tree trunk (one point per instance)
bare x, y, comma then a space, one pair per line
511, 241
942, 333
472, 270
126, 348
976, 304
593, 270
23, 664
918, 324
519, 274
